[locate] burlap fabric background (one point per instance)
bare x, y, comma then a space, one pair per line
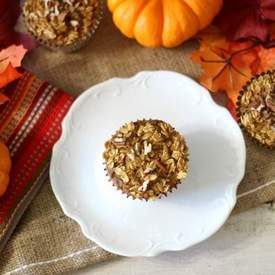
47, 242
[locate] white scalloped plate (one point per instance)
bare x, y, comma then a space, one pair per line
192, 213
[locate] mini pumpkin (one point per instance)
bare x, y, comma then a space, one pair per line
168, 23
5, 167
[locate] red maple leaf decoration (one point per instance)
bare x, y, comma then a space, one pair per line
241, 19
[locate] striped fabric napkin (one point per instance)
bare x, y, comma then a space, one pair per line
30, 124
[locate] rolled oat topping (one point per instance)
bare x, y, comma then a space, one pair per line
257, 108
60, 21
146, 159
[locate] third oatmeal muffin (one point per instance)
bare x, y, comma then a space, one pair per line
256, 109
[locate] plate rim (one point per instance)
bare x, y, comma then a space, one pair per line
71, 214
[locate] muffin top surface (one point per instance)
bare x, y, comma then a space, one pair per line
146, 159
257, 109
60, 22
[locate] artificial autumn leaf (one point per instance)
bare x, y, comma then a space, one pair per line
241, 19
12, 55
9, 75
265, 60
226, 66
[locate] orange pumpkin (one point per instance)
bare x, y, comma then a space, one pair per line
5, 166
167, 23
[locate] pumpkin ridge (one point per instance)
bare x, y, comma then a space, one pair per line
141, 10
162, 26
126, 15
193, 14
168, 6
191, 11
140, 33
191, 8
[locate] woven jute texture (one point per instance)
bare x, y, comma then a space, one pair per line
47, 242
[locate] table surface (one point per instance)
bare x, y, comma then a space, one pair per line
244, 246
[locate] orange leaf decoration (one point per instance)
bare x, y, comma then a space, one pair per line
265, 60
10, 58
9, 75
12, 55
226, 65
